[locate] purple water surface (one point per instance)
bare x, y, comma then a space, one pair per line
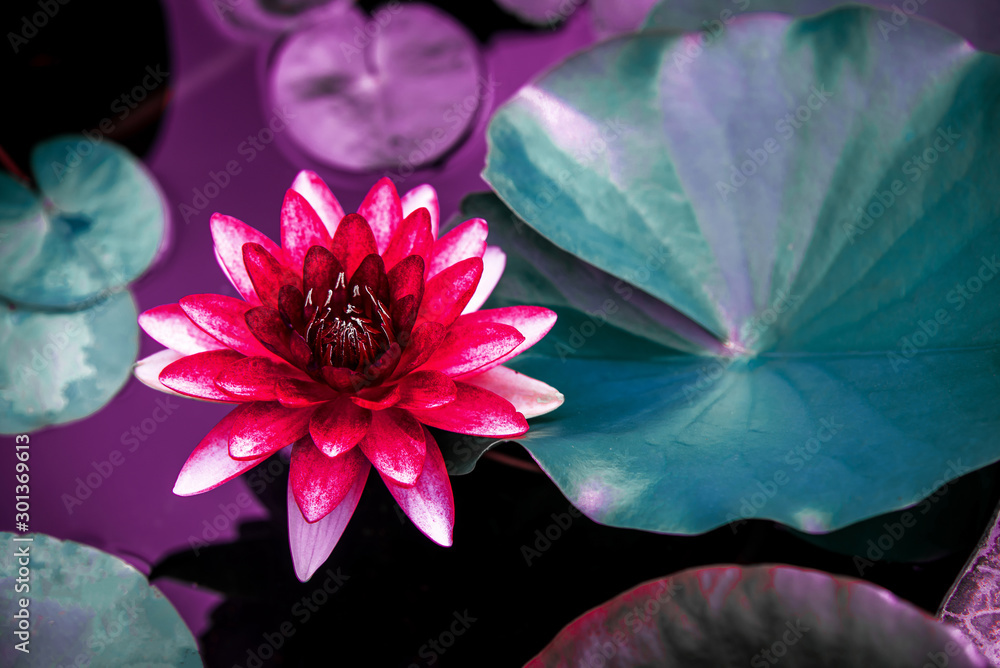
205, 162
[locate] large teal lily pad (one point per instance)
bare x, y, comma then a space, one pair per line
87, 608
60, 367
94, 225
725, 616
855, 363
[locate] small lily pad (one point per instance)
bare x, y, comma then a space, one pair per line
95, 224
87, 607
60, 367
395, 90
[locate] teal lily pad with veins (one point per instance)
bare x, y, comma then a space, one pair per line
795, 242
94, 225
87, 608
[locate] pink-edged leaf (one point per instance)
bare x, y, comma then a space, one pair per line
169, 325
425, 389
471, 346
413, 238
194, 375
383, 211
423, 341
225, 319
430, 503
311, 544
423, 196
395, 446
301, 229
255, 378
529, 396
533, 322
319, 482
465, 241
320, 198
210, 464
447, 293
338, 425
292, 392
267, 275
353, 242
476, 412
148, 370
262, 427
494, 262
229, 235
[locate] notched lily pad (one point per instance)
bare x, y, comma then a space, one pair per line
95, 224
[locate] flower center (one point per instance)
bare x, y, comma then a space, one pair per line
350, 335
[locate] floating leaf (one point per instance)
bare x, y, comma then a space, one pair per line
397, 90
972, 603
60, 367
95, 226
844, 262
974, 20
757, 616
87, 607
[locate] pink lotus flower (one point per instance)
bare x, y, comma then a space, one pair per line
351, 336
